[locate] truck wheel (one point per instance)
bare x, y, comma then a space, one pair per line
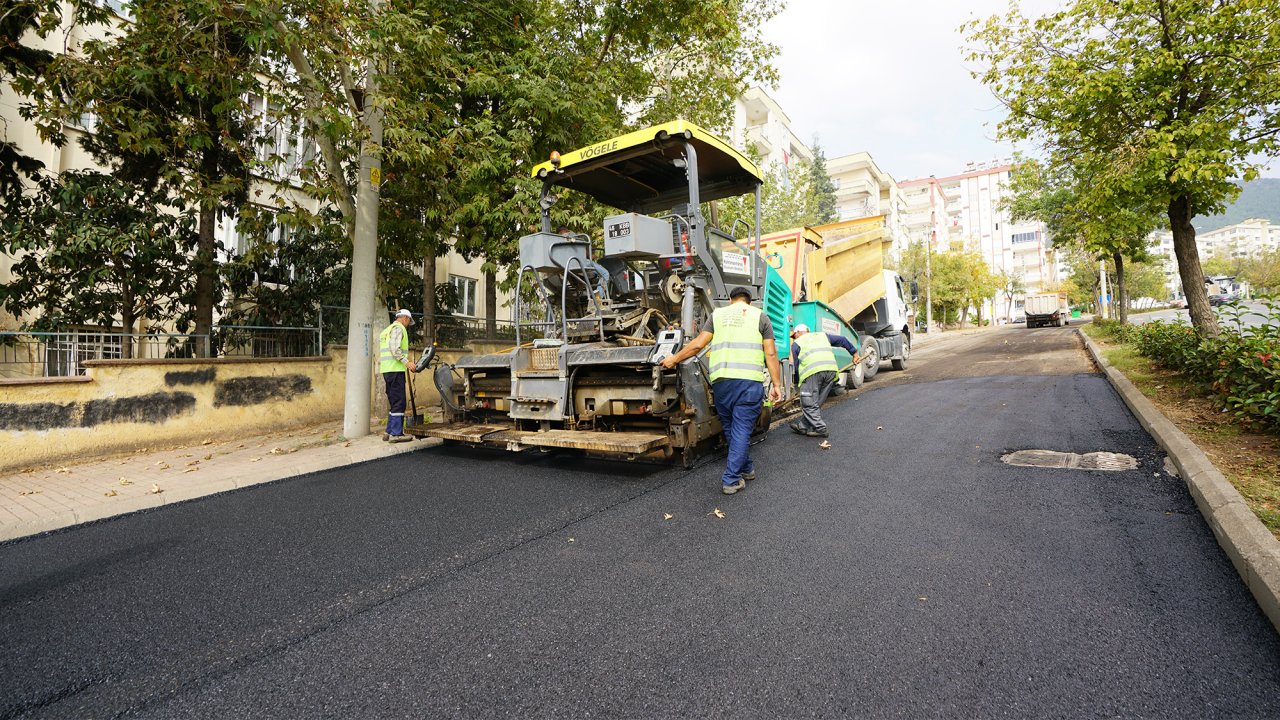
901, 363
871, 361
854, 377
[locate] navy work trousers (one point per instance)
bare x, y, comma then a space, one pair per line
738, 403
395, 402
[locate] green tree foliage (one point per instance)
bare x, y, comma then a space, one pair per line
1170, 103
172, 112
962, 281
1263, 272
821, 189
25, 72
1059, 197
92, 249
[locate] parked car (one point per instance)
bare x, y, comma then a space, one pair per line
1220, 299
1178, 303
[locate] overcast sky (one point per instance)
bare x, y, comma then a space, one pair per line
888, 79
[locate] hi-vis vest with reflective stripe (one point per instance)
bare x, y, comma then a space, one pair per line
737, 349
386, 361
815, 354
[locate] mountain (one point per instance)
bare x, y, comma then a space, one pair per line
1258, 199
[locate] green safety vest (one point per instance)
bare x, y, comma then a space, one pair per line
815, 354
737, 348
386, 361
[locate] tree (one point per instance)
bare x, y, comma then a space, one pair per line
1010, 284
1263, 272
173, 114
1170, 101
25, 70
821, 189
91, 248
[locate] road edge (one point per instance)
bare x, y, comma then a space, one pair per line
1253, 550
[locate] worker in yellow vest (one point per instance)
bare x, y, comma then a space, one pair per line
815, 363
393, 361
742, 346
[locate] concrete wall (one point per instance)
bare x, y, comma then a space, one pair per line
124, 405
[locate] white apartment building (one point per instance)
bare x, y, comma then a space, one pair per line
965, 211
926, 217
865, 190
1248, 239
760, 123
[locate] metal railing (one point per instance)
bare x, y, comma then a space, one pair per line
63, 354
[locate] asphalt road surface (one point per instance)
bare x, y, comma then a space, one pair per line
904, 573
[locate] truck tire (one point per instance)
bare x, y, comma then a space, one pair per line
871, 362
901, 363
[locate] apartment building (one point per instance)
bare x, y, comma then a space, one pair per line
760, 123
1243, 240
863, 189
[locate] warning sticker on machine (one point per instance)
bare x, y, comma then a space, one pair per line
735, 263
830, 327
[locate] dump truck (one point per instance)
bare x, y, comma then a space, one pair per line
585, 371
1047, 310
840, 266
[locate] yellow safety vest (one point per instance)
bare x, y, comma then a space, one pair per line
737, 349
815, 354
386, 361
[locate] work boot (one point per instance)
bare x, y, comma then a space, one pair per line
798, 429
731, 489
748, 476
817, 433
386, 437
400, 438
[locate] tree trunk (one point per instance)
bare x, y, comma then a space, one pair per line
127, 319
1189, 270
206, 276
490, 305
1122, 292
429, 297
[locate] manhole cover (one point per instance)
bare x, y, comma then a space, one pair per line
1056, 459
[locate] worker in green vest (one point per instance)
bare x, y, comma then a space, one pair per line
742, 346
815, 363
393, 362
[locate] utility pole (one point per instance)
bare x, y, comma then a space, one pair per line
928, 258
364, 261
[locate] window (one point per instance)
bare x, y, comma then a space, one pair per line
269, 267
282, 146
466, 289
1025, 237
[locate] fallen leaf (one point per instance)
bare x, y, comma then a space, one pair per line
667, 516
209, 456
879, 427
193, 462
163, 465
255, 459
28, 470
126, 481
346, 444
277, 451
922, 599
825, 445
240, 445
191, 469
572, 540
111, 493
206, 441
718, 513
62, 470
29, 492
155, 490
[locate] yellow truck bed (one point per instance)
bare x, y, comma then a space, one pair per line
840, 264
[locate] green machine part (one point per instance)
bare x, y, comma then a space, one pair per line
777, 305
821, 318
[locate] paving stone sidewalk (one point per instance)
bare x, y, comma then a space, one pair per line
39, 499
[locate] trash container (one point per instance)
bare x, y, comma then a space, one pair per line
1075, 313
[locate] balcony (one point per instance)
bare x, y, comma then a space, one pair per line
757, 138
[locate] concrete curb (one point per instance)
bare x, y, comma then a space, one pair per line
287, 466
1253, 550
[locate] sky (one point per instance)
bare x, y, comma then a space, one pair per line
888, 78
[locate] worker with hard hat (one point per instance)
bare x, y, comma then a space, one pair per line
742, 347
815, 363
393, 362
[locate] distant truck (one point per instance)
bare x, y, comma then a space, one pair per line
1047, 310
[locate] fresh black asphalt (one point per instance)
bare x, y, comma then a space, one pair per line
905, 572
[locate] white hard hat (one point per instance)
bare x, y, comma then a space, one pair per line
799, 328
405, 313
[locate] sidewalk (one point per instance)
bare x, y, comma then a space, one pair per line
39, 499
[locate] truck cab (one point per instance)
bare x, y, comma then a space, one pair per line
888, 321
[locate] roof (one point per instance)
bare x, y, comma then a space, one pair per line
635, 171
